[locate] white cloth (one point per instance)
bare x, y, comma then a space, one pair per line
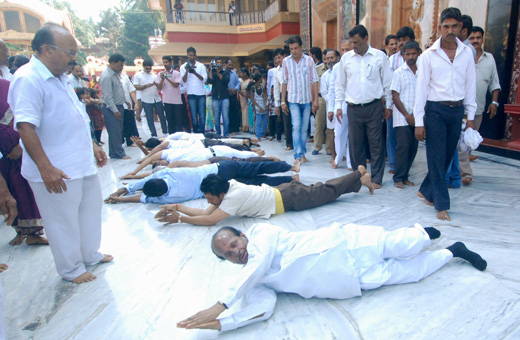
6, 74
299, 77
149, 94
404, 83
185, 136
188, 143
196, 154
128, 87
3, 328
37, 97
324, 263
249, 200
469, 139
341, 143
439, 79
362, 79
324, 84
487, 79
395, 61
194, 85
72, 222
277, 86
270, 76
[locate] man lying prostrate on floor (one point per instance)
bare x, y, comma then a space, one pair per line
183, 184
337, 262
195, 154
237, 199
211, 135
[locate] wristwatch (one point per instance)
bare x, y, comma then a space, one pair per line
496, 103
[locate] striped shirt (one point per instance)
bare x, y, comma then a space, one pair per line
404, 83
396, 60
299, 78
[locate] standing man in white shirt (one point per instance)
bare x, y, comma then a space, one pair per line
59, 158
129, 124
4, 61
194, 75
150, 99
446, 87
76, 76
364, 77
299, 93
487, 80
279, 56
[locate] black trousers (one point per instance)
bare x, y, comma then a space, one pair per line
234, 114
443, 125
275, 127
366, 122
173, 117
185, 119
212, 142
248, 172
405, 152
287, 127
129, 127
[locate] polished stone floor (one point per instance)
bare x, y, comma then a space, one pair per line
162, 274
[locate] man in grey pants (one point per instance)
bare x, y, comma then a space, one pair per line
113, 100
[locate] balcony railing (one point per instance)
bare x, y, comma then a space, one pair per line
214, 18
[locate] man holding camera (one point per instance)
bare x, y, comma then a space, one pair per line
168, 82
219, 78
194, 75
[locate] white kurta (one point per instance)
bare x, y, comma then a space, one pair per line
334, 262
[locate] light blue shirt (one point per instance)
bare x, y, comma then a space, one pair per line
183, 184
234, 82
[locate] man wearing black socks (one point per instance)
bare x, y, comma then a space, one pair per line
337, 262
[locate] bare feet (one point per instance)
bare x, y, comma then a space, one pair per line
366, 180
304, 160
467, 180
422, 196
259, 152
127, 157
107, 258
296, 178
288, 148
17, 240
331, 160
443, 215
410, 184
333, 164
362, 170
3, 267
85, 277
399, 185
297, 165
36, 239
377, 186
473, 158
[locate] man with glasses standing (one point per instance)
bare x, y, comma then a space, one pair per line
60, 158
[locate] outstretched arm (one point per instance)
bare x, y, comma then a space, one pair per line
146, 161
208, 217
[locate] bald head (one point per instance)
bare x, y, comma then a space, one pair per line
230, 244
55, 47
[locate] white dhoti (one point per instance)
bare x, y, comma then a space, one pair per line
72, 223
341, 137
226, 151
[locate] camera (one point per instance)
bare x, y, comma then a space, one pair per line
190, 67
214, 66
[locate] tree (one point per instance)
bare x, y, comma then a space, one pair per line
137, 27
111, 28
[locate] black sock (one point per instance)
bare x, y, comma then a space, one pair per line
432, 232
459, 249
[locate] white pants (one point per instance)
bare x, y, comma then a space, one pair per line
3, 329
313, 125
400, 259
341, 137
72, 223
226, 151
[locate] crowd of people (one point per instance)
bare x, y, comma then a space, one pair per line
369, 107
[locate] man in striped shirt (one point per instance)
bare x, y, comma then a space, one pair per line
299, 91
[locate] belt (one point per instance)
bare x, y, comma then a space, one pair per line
319, 95
451, 104
213, 152
365, 104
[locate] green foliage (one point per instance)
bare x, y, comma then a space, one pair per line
137, 27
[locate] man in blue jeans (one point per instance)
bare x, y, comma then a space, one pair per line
299, 93
194, 75
219, 78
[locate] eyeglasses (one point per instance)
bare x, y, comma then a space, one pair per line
71, 53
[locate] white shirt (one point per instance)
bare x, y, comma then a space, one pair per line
249, 200
331, 95
318, 263
6, 74
197, 154
76, 82
149, 94
487, 79
49, 103
128, 87
181, 135
404, 83
362, 79
439, 79
270, 76
277, 85
194, 85
324, 85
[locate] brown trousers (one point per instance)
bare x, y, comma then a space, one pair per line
297, 196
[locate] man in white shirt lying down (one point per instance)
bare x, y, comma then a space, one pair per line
335, 263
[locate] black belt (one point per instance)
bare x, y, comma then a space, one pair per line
366, 104
319, 95
451, 104
213, 152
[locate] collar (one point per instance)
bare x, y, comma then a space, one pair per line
460, 46
42, 70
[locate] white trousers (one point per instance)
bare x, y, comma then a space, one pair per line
312, 121
399, 259
72, 223
341, 137
226, 151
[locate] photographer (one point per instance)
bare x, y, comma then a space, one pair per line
194, 75
219, 78
168, 82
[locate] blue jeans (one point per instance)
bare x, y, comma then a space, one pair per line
453, 179
261, 124
148, 110
391, 142
300, 114
198, 112
221, 106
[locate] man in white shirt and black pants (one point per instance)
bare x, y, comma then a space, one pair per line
194, 75
446, 86
363, 78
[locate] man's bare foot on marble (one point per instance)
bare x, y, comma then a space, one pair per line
85, 277
297, 165
107, 258
36, 239
296, 178
443, 215
422, 196
3, 267
17, 240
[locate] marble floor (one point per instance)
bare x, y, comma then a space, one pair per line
162, 274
